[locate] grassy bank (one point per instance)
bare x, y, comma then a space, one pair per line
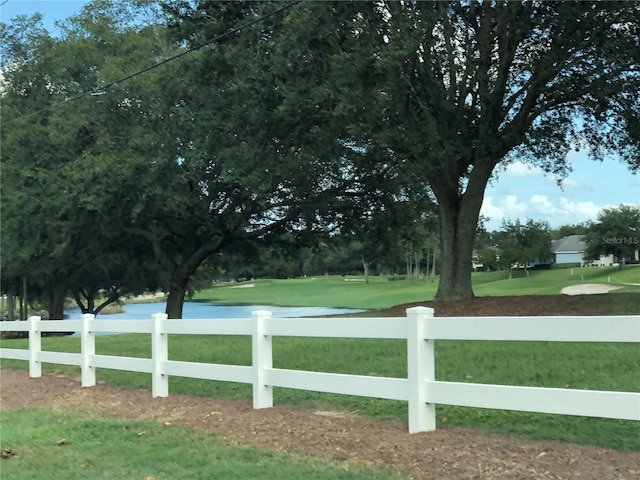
71, 445
569, 365
379, 293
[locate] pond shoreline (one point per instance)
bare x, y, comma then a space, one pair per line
211, 310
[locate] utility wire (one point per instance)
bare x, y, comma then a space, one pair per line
103, 89
197, 47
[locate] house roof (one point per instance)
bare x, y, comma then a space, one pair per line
570, 244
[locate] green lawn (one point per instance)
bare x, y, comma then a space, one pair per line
323, 292
112, 449
551, 282
379, 293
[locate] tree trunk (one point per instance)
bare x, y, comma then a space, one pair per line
365, 267
90, 297
181, 270
11, 299
84, 308
23, 300
456, 246
427, 265
459, 213
175, 298
180, 281
433, 266
55, 300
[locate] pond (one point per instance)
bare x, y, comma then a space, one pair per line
200, 310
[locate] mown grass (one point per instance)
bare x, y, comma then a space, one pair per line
551, 282
331, 291
594, 366
65, 444
381, 293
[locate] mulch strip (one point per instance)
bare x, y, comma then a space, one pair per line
447, 453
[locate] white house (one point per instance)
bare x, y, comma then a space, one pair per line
571, 249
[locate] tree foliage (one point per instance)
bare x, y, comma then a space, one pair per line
571, 229
447, 91
616, 232
67, 174
196, 157
523, 244
243, 165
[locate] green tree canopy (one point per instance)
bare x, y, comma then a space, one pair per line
571, 229
444, 92
65, 177
523, 243
615, 232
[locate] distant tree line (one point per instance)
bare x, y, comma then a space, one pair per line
616, 231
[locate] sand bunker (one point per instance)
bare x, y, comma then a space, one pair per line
589, 288
246, 285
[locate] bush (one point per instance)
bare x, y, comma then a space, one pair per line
394, 278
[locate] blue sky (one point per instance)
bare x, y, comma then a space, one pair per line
524, 192
519, 192
51, 10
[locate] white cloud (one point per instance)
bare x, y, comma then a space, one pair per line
569, 183
556, 212
542, 204
509, 207
581, 211
513, 207
562, 210
520, 169
490, 210
520, 192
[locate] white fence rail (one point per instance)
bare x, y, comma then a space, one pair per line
419, 328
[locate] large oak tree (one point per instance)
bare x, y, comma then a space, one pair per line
449, 91
247, 160
66, 170
194, 155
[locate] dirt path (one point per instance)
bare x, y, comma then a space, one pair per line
448, 453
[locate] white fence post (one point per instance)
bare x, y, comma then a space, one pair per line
262, 354
159, 355
421, 368
35, 347
88, 349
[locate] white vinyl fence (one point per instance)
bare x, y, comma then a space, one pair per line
419, 328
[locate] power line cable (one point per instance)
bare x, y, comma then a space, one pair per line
102, 90
197, 47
